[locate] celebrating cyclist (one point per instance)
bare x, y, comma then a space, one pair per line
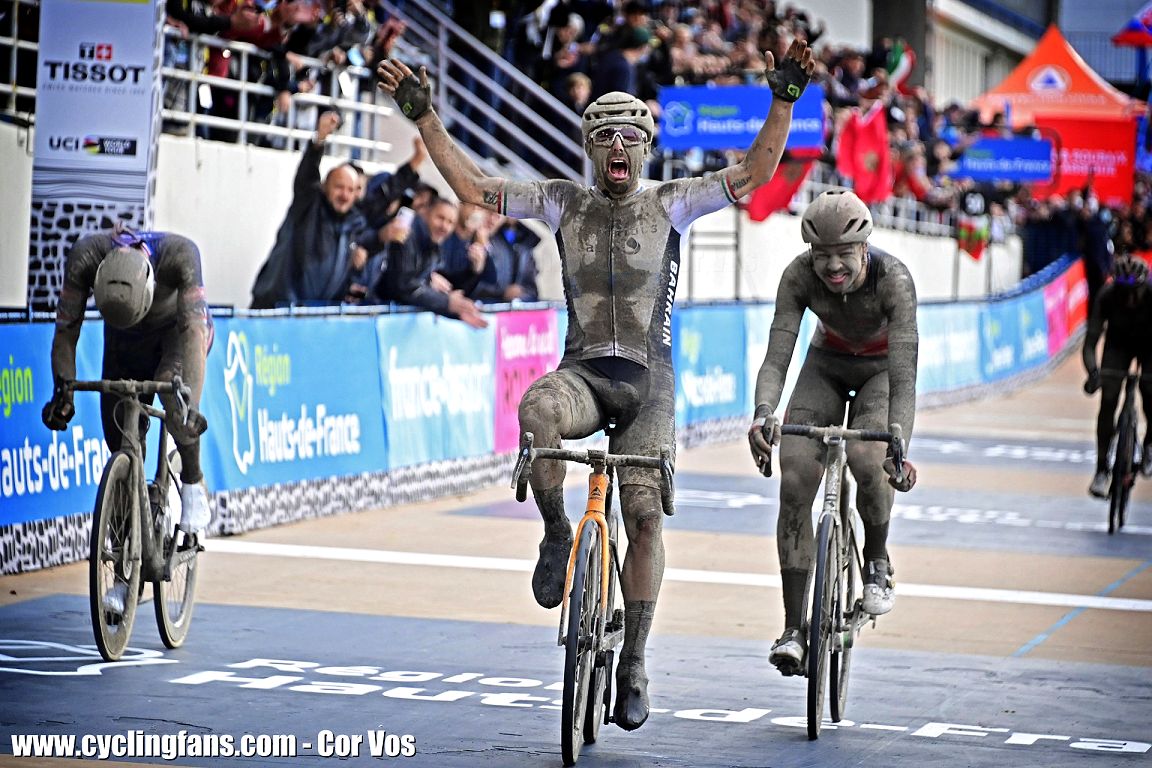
619, 243
149, 290
1122, 312
863, 357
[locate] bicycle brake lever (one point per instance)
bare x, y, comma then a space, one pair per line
668, 474
523, 466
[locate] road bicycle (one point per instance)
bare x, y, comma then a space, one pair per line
591, 614
1124, 459
135, 538
833, 597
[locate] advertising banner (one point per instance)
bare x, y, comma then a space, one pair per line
1056, 312
709, 355
290, 400
527, 347
758, 325
1100, 151
44, 473
729, 117
1023, 160
438, 387
1014, 335
1076, 290
949, 347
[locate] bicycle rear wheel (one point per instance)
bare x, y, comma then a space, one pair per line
580, 644
1122, 470
174, 599
848, 592
114, 559
821, 620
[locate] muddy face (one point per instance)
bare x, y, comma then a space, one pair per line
840, 267
617, 154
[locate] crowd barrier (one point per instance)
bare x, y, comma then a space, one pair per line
320, 415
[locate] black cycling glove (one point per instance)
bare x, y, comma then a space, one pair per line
788, 80
1092, 383
59, 410
413, 98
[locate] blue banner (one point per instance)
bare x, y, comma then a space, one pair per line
45, 473
289, 400
729, 117
758, 321
1006, 160
709, 351
949, 355
438, 388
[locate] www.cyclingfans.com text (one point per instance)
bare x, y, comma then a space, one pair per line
174, 746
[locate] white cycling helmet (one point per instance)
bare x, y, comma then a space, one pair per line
124, 286
834, 217
616, 108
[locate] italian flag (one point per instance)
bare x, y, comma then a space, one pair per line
901, 60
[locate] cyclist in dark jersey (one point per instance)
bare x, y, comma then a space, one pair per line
865, 343
149, 289
1124, 305
619, 248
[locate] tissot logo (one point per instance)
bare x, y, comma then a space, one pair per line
97, 51
82, 71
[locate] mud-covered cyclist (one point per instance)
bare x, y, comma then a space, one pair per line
619, 245
866, 342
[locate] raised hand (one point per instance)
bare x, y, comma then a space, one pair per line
414, 97
789, 80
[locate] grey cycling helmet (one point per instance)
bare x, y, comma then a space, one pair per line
834, 217
124, 286
618, 107
1130, 270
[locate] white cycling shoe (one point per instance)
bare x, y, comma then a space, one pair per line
195, 512
879, 589
787, 653
115, 599
1099, 486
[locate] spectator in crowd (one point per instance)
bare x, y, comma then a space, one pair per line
491, 257
315, 252
410, 279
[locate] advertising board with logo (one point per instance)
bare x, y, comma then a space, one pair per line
94, 100
44, 473
949, 355
1022, 160
729, 117
438, 388
710, 364
290, 401
527, 347
758, 326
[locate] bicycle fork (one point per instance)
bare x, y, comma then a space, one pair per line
593, 515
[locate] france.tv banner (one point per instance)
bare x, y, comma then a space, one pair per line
289, 401
730, 116
44, 473
437, 388
1022, 160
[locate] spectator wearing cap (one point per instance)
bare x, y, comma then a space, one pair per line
619, 69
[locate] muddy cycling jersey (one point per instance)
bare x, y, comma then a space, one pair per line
620, 258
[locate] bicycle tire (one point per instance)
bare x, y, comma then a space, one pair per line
1121, 485
579, 644
114, 557
821, 621
175, 599
848, 594
599, 690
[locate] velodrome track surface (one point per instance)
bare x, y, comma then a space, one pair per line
1022, 633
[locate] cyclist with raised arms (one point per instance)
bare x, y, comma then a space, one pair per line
619, 245
1122, 312
149, 289
865, 343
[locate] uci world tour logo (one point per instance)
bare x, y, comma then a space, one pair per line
238, 385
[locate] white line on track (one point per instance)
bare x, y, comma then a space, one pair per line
939, 592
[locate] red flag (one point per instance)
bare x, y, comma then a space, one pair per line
778, 192
973, 233
863, 155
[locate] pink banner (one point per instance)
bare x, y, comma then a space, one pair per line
527, 347
1076, 291
1056, 310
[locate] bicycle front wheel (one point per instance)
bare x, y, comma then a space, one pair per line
114, 559
581, 642
821, 620
847, 595
1122, 471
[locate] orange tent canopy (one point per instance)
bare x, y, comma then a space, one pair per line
1054, 80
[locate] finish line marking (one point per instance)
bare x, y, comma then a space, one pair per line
349, 554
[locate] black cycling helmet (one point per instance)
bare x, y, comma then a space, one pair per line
124, 286
1130, 270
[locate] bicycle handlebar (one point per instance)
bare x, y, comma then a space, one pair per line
833, 434
594, 458
134, 388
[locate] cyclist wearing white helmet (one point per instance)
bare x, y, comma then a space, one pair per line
619, 245
1124, 306
149, 289
863, 355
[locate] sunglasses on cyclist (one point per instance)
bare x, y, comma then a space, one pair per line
630, 136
